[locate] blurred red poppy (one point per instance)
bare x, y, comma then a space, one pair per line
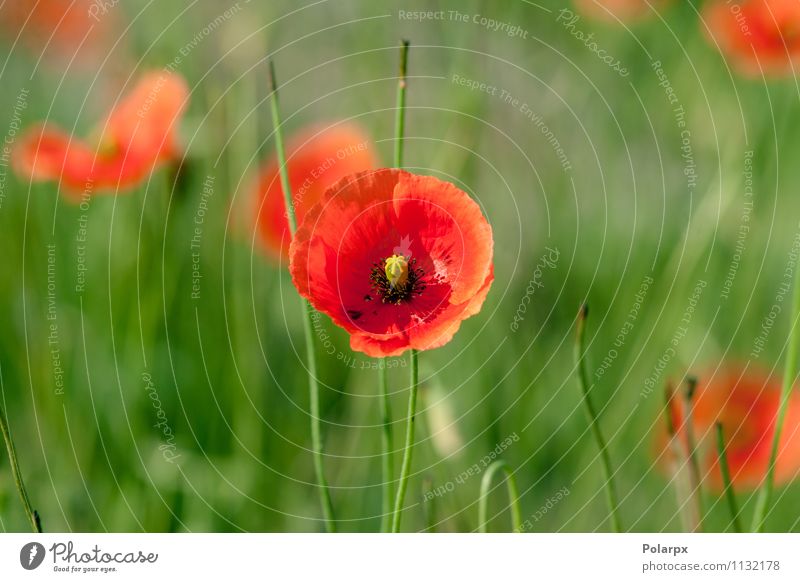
624, 10
317, 157
67, 31
756, 35
397, 260
746, 404
138, 134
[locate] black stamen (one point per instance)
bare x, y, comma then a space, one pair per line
413, 286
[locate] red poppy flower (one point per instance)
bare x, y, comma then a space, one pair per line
67, 31
624, 10
756, 34
316, 158
395, 259
138, 134
746, 403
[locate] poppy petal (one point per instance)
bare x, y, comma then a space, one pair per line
317, 158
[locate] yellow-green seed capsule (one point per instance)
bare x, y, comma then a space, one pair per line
396, 270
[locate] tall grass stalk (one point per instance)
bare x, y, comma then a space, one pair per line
513, 496
789, 377
308, 326
591, 414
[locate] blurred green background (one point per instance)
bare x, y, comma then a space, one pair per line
622, 203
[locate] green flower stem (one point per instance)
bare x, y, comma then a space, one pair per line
32, 514
730, 495
694, 464
409, 446
513, 496
591, 413
387, 463
400, 110
308, 327
789, 376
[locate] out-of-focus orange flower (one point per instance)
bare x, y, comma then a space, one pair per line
756, 35
397, 260
624, 10
67, 31
746, 404
138, 134
316, 158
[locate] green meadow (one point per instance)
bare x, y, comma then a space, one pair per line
152, 356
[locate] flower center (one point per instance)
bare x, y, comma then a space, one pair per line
396, 279
397, 270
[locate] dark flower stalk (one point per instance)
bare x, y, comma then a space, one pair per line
33, 515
